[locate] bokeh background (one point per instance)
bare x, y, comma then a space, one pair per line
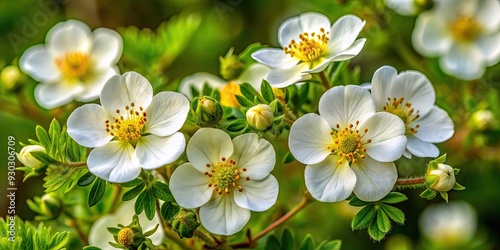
474, 149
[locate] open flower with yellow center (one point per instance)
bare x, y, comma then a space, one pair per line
465, 34
411, 97
132, 130
308, 44
348, 146
253, 75
226, 178
74, 64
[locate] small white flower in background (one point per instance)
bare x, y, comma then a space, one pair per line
449, 225
226, 178
28, 160
402, 7
132, 130
74, 64
411, 97
253, 75
348, 146
99, 235
465, 34
308, 44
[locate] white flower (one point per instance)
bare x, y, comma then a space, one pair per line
411, 97
308, 45
28, 160
348, 147
226, 178
99, 235
402, 7
131, 130
253, 75
465, 34
74, 63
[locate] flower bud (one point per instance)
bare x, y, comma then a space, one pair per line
208, 112
440, 178
126, 237
230, 65
185, 223
51, 206
27, 159
260, 116
207, 105
10, 76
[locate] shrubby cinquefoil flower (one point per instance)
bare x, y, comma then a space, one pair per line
308, 44
348, 146
28, 160
465, 34
411, 97
226, 178
132, 130
74, 64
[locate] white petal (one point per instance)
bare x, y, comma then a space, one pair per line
464, 61
275, 58
154, 151
420, 148
284, 77
345, 105
107, 47
222, 216
254, 75
386, 132
39, 63
95, 83
329, 182
257, 195
208, 146
69, 36
190, 187
121, 90
374, 179
309, 138
435, 127
197, 81
415, 88
99, 235
407, 154
307, 22
114, 162
382, 85
430, 36
487, 15
402, 7
343, 33
86, 125
318, 65
55, 94
254, 154
490, 47
167, 113
350, 52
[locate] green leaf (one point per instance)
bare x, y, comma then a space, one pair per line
59, 240
287, 240
383, 222
237, 125
428, 194
456, 171
176, 34
91, 248
374, 231
113, 230
394, 197
246, 55
287, 158
152, 231
162, 192
97, 192
393, 213
86, 179
330, 245
132, 183
244, 102
248, 91
444, 195
272, 243
363, 217
266, 91
307, 243
139, 203
149, 204
54, 134
43, 137
58, 176
132, 193
43, 157
355, 201
168, 210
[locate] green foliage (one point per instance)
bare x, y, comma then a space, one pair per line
287, 242
97, 192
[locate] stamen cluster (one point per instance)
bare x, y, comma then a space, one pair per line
127, 125
404, 111
310, 47
224, 176
73, 64
347, 143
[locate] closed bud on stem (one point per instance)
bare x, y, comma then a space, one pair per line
185, 223
230, 65
208, 112
207, 105
126, 237
260, 116
27, 159
51, 205
9, 76
440, 177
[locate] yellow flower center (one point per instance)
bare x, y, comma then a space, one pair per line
465, 28
126, 237
404, 111
227, 93
348, 143
310, 46
73, 64
224, 176
127, 124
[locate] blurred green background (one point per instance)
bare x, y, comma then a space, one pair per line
475, 147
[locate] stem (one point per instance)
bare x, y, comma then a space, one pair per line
72, 222
72, 164
168, 231
324, 80
306, 199
116, 198
206, 237
417, 181
288, 113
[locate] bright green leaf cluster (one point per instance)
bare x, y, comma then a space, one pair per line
287, 242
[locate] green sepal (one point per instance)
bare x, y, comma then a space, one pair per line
458, 187
428, 194
441, 159
287, 158
237, 125
444, 195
